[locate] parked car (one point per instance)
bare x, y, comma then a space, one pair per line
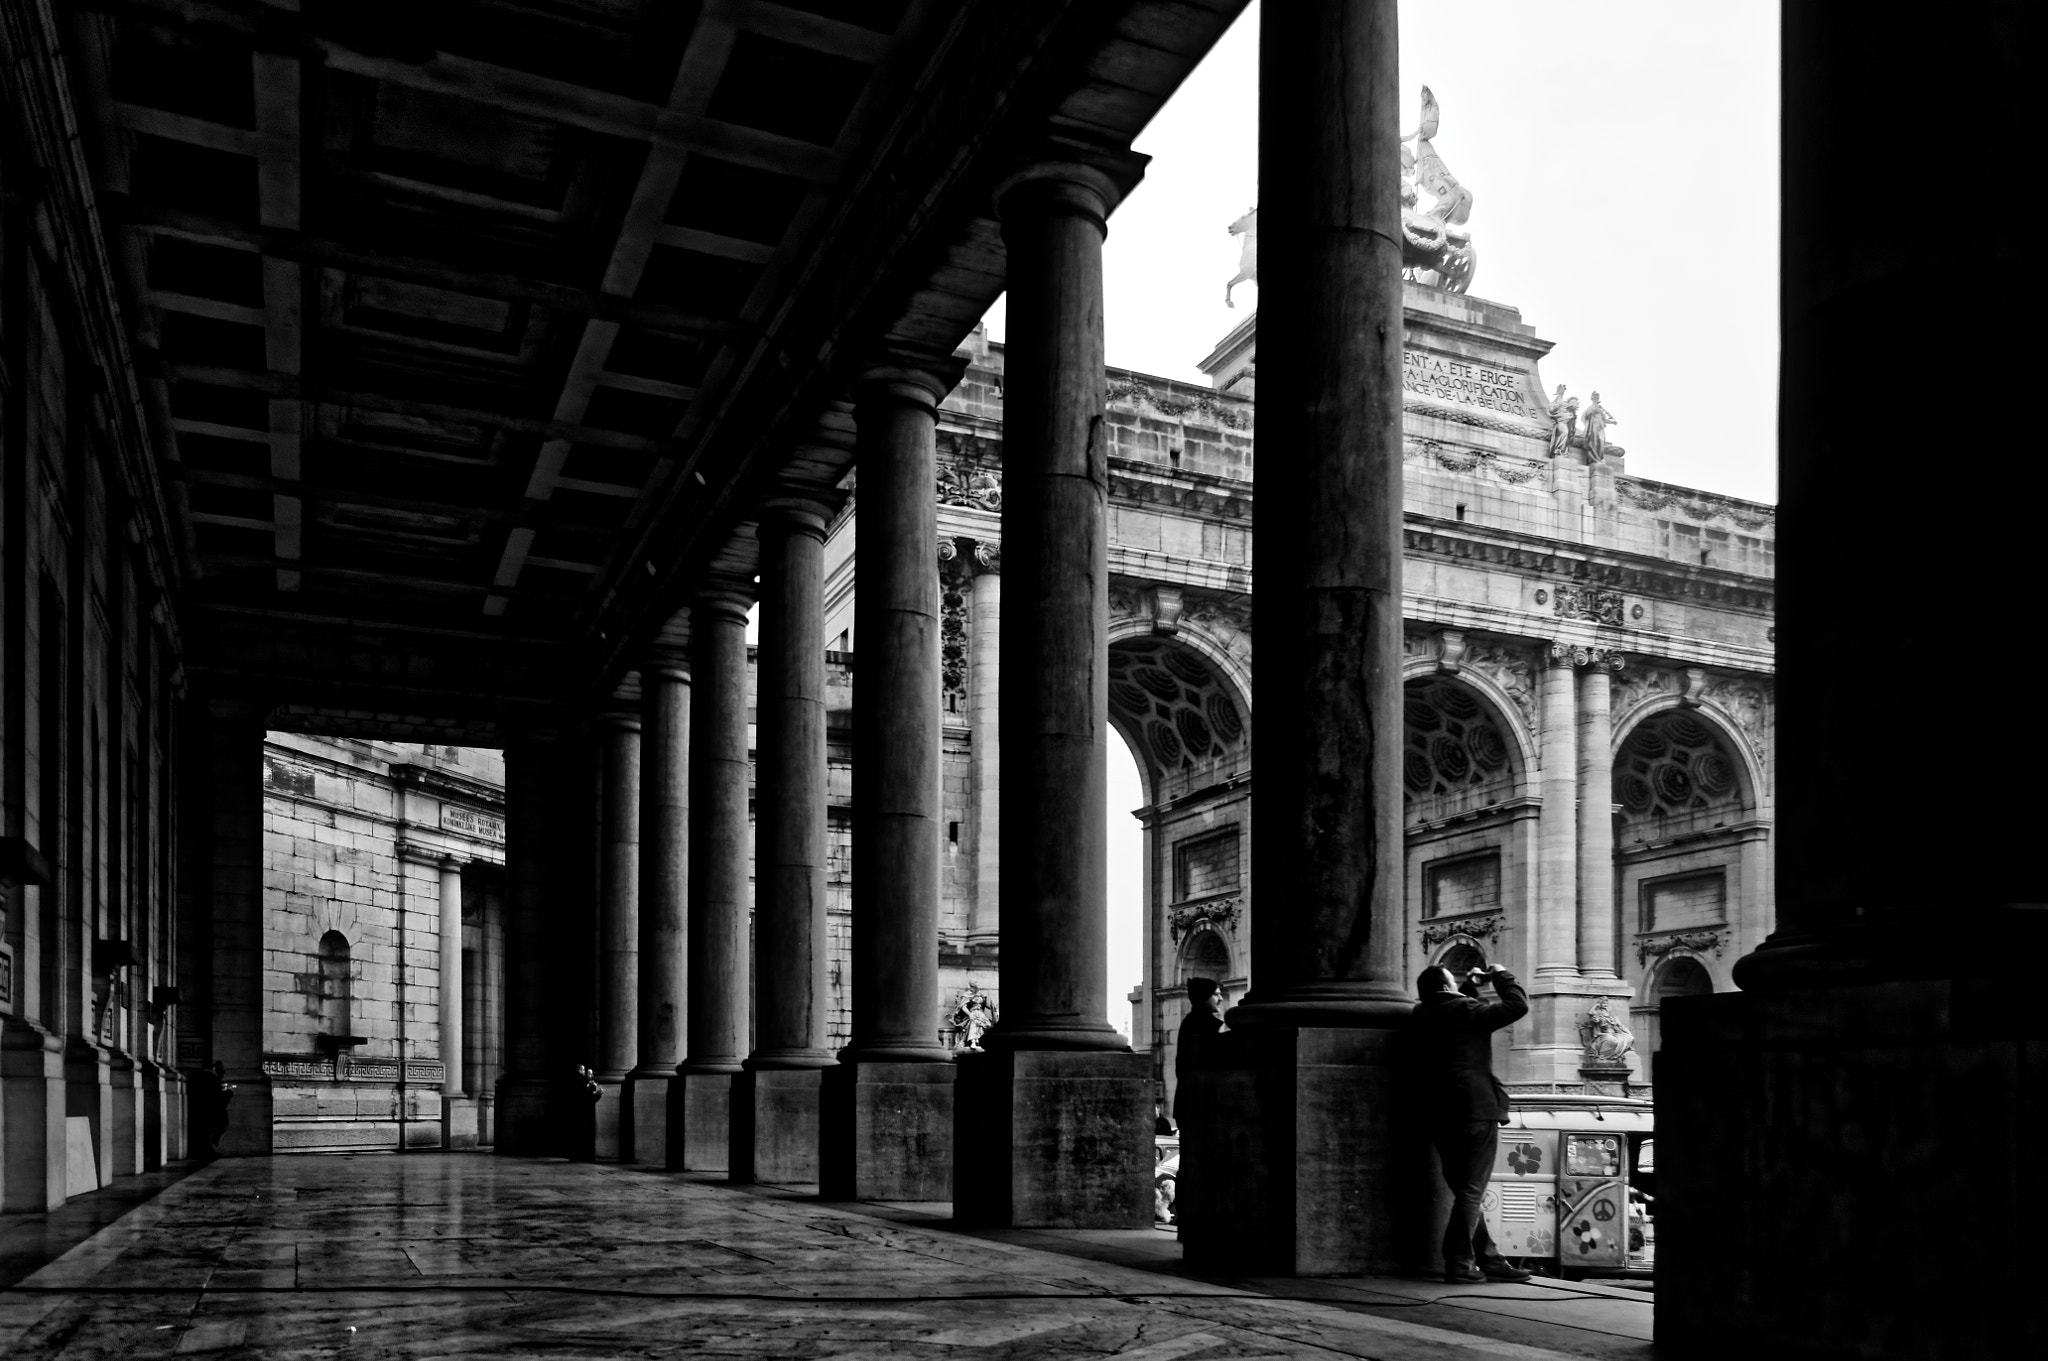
1165, 1178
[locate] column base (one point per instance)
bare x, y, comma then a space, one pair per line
458, 1122
775, 1126
525, 1118
1295, 1159
1797, 1128
1055, 1139
607, 1120
31, 1117
886, 1131
700, 1122
644, 1123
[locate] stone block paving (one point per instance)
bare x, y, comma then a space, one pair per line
454, 1255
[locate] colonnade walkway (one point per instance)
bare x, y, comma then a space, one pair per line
457, 1255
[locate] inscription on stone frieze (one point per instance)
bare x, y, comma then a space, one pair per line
469, 822
1455, 380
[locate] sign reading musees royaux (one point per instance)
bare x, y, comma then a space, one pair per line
1447, 379
469, 822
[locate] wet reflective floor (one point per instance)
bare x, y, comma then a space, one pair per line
458, 1255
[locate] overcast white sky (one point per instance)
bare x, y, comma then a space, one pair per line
1623, 160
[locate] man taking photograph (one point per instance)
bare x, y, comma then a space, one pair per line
1466, 1105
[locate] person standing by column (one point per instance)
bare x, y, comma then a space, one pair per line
1466, 1105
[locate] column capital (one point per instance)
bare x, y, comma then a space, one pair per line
1073, 174
619, 720
988, 557
909, 377
795, 512
948, 550
1584, 656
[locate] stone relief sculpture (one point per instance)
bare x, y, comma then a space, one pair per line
1436, 246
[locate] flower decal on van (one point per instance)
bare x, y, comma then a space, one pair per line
1525, 1160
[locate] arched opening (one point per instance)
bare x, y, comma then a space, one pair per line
1678, 976
335, 977
1674, 775
1455, 756
1205, 955
1462, 957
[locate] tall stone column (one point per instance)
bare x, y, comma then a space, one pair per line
458, 1107
1057, 1080
1596, 937
523, 1107
1305, 1170
984, 689
618, 978
1882, 1064
700, 1109
1557, 834
664, 894
887, 1131
775, 1100
235, 747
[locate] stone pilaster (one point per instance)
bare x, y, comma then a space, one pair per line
1053, 1121
618, 925
775, 1100
1557, 833
664, 895
887, 1124
700, 1105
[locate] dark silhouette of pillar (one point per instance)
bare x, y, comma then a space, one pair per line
887, 1129
618, 957
720, 850
1053, 1121
1879, 1076
775, 1100
664, 896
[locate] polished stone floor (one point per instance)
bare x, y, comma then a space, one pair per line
459, 1255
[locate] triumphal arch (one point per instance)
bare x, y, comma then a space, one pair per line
1586, 676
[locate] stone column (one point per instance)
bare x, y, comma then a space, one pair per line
1057, 1078
1596, 819
1303, 1169
236, 751
458, 1108
984, 689
1883, 1062
522, 1107
618, 977
887, 1131
664, 895
700, 1105
1557, 836
775, 1100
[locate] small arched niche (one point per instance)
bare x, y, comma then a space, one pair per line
336, 979
1205, 955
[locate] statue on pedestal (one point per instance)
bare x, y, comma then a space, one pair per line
1436, 246
1564, 420
1608, 1042
1596, 419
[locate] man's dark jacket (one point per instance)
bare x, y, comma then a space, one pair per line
1455, 1052
1200, 1039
